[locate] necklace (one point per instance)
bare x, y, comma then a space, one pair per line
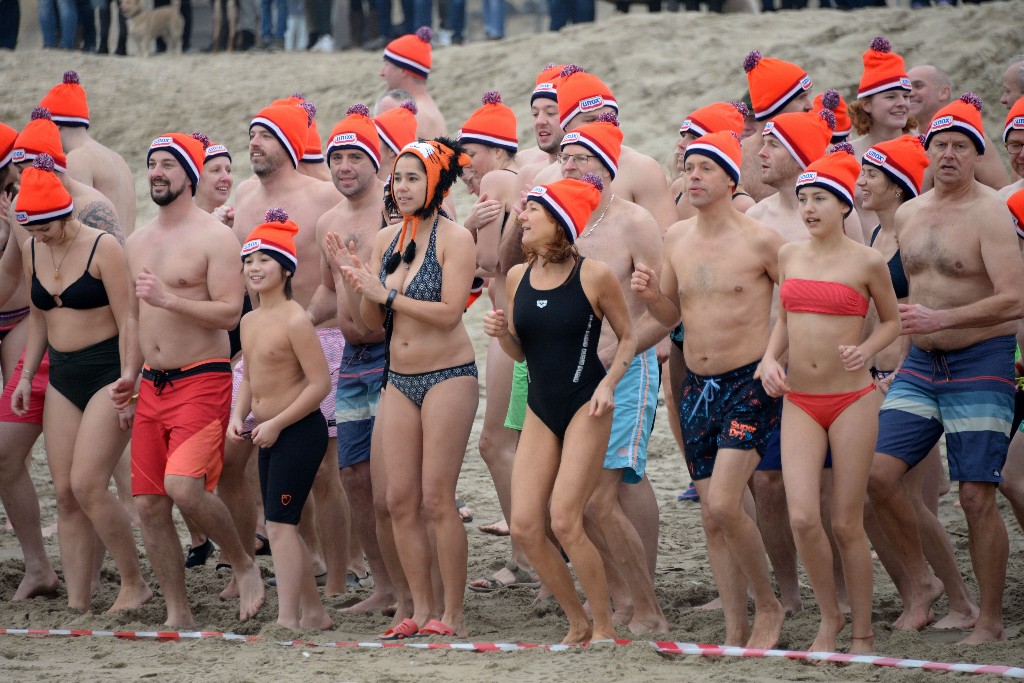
56, 266
599, 218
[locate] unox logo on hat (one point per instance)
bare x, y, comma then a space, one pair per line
18, 156
904, 82
768, 128
345, 138
805, 82
251, 246
875, 157
160, 142
1018, 122
20, 216
539, 189
215, 149
592, 103
807, 177
942, 122
545, 87
570, 138
458, 134
686, 126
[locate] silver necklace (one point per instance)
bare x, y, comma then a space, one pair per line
599, 218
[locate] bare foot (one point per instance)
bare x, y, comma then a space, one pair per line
767, 627
498, 527
230, 591
33, 585
317, 620
644, 627
583, 634
825, 640
621, 615
984, 635
710, 606
793, 605
183, 620
250, 588
601, 635
862, 645
130, 597
958, 620
377, 602
918, 615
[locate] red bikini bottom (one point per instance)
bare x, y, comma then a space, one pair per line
825, 408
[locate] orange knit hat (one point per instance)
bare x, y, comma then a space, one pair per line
715, 118
313, 151
411, 52
67, 102
275, 238
903, 160
962, 116
773, 83
397, 126
602, 137
7, 137
833, 101
545, 87
493, 125
42, 197
214, 150
188, 150
356, 131
883, 70
580, 92
836, 172
805, 134
1015, 203
40, 136
569, 201
723, 148
289, 123
1015, 119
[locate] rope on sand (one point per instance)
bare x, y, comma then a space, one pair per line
664, 647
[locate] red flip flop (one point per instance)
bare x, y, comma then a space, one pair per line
435, 627
406, 629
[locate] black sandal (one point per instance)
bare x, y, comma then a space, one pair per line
265, 548
198, 555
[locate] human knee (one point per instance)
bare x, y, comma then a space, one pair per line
726, 513
152, 508
848, 529
804, 521
568, 530
67, 503
527, 531
185, 492
977, 499
1013, 489
437, 506
403, 505
768, 489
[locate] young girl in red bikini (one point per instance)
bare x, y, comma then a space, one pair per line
830, 398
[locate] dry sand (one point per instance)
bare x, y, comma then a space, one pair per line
660, 67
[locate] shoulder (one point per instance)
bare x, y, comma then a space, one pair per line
246, 188
501, 181
679, 230
640, 162
761, 232
597, 272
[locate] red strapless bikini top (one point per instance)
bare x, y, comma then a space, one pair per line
818, 296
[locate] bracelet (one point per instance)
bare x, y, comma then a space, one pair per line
25, 377
391, 299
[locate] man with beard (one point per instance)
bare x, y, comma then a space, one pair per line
187, 294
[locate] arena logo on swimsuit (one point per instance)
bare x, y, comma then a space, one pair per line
874, 156
592, 103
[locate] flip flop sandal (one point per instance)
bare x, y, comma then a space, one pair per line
355, 582
406, 629
523, 579
435, 627
265, 548
459, 505
198, 555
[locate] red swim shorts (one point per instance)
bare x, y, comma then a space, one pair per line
180, 421
35, 401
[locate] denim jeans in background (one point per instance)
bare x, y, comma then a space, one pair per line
453, 18
570, 12
54, 13
494, 18
267, 30
416, 13
384, 27
10, 22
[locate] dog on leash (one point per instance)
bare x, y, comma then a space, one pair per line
146, 25
225, 9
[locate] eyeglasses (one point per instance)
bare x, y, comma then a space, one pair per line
576, 158
1014, 148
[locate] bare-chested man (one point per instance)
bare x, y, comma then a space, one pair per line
353, 155
277, 137
187, 294
90, 162
1013, 140
966, 278
621, 234
931, 90
407, 62
718, 275
776, 87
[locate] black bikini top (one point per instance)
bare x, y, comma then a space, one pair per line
896, 273
84, 293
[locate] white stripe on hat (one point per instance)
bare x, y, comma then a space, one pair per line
485, 139
56, 118
541, 195
22, 155
7, 159
387, 138
259, 245
898, 83
606, 102
185, 156
588, 143
803, 84
355, 142
780, 135
885, 165
412, 64
944, 123
1016, 123
279, 134
715, 153
831, 183
43, 215
692, 127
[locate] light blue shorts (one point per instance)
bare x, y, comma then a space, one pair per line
636, 399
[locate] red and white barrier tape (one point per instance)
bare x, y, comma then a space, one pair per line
665, 647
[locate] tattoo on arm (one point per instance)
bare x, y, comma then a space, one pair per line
98, 215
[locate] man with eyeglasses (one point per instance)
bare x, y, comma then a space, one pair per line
1013, 140
931, 90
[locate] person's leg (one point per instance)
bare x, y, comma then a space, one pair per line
68, 10
10, 20
165, 557
447, 418
641, 507
423, 12
384, 525
494, 18
123, 483
98, 448
281, 15
87, 23
732, 586
773, 524
48, 27
237, 494
989, 546
266, 22
559, 12
122, 33
457, 17
331, 520
186, 34
104, 39
1012, 486
617, 540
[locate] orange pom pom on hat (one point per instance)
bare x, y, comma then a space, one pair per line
602, 137
962, 116
40, 136
773, 83
545, 87
67, 102
275, 238
836, 172
833, 101
805, 134
289, 123
493, 125
412, 52
356, 131
883, 70
397, 126
189, 150
42, 197
580, 92
1015, 202
7, 137
715, 118
569, 201
903, 159
723, 148
1015, 119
